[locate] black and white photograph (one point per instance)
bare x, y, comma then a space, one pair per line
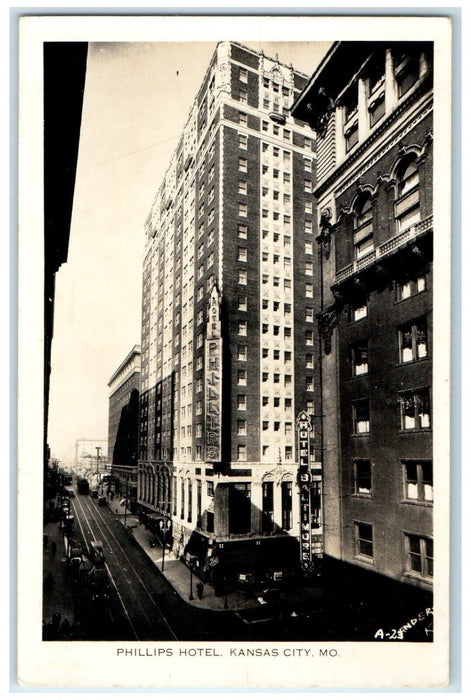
234, 410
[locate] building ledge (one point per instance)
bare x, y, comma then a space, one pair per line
385, 249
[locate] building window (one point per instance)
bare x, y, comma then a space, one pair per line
351, 137
241, 453
241, 402
419, 555
309, 361
243, 165
418, 481
363, 233
410, 287
358, 311
413, 341
267, 506
362, 477
243, 95
242, 141
264, 126
361, 416
309, 269
243, 75
242, 276
242, 303
242, 377
377, 109
415, 409
242, 352
242, 254
242, 209
242, 230
309, 290
288, 452
241, 427
364, 540
406, 71
359, 359
407, 206
287, 505
242, 327
243, 118
242, 187
264, 376
210, 488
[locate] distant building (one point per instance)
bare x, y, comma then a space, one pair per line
90, 457
123, 423
229, 349
371, 105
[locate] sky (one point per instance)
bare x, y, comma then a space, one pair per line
136, 102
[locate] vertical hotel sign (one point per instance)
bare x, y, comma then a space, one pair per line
304, 428
213, 380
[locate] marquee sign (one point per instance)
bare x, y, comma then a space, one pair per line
213, 380
304, 428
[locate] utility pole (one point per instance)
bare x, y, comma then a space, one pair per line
98, 462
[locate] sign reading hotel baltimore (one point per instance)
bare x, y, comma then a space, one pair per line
213, 380
304, 427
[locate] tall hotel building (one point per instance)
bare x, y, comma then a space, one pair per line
229, 351
371, 105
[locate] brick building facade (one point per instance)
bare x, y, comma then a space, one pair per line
123, 423
371, 107
229, 349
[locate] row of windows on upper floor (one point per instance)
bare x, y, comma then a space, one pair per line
412, 345
417, 550
414, 412
403, 290
416, 478
383, 82
407, 208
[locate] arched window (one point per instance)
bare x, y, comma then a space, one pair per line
408, 179
363, 226
364, 211
408, 197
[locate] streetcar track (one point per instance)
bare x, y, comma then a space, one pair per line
130, 564
104, 536
90, 529
106, 531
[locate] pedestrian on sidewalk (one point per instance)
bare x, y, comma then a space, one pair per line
199, 589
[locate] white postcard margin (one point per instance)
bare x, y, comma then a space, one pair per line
99, 665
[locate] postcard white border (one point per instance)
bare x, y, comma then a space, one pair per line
355, 665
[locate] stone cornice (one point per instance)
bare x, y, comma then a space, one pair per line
382, 127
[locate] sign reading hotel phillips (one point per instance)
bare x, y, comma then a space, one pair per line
213, 380
304, 428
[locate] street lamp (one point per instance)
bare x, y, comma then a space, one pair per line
164, 527
191, 578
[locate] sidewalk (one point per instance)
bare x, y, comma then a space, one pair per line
57, 594
178, 574
181, 579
